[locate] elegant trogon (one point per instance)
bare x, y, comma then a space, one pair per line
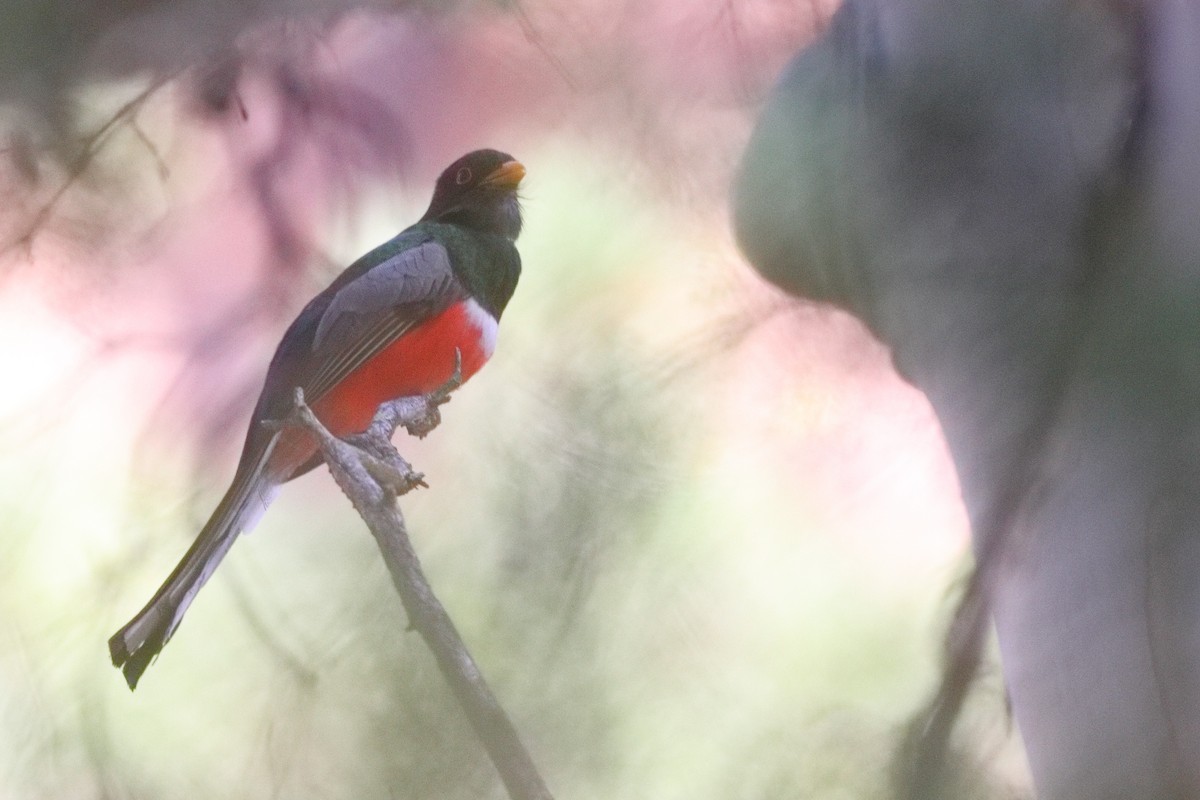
389, 326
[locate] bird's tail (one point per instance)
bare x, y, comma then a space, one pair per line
135, 645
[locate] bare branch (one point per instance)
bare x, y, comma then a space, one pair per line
372, 474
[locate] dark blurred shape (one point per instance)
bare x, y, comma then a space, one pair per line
49, 48
56, 134
42, 45
216, 86
1008, 194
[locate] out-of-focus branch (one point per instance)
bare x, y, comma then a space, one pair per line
89, 148
372, 474
919, 768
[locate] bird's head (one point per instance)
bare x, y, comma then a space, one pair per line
479, 191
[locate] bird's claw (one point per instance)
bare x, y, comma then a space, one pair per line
424, 425
399, 479
385, 465
421, 426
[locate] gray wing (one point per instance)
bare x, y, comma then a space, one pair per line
377, 308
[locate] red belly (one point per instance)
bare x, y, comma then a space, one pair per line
417, 363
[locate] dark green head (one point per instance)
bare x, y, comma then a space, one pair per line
479, 191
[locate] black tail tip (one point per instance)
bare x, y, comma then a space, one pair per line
131, 663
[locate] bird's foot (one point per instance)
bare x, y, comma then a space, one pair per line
419, 414
367, 457
383, 462
421, 426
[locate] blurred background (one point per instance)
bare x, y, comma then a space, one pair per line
700, 537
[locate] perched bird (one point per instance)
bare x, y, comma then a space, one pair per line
388, 327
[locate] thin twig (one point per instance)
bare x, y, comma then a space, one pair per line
90, 147
372, 474
160, 163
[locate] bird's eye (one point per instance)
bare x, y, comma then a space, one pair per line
463, 176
